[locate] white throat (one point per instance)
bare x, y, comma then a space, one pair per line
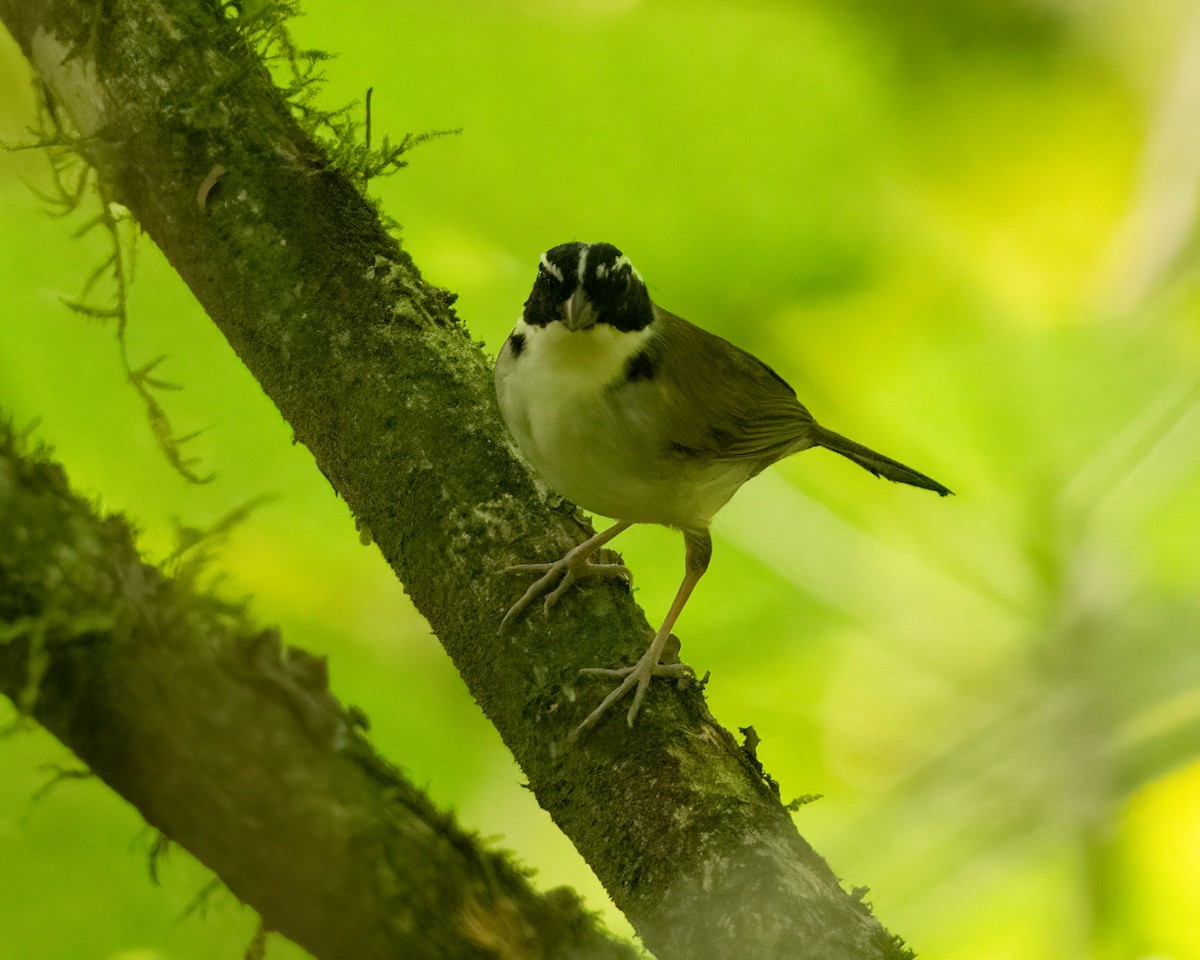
557, 362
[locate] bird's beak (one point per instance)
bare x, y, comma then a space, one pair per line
578, 312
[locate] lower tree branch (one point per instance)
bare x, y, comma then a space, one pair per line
234, 747
386, 389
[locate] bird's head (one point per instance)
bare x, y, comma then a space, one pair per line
584, 284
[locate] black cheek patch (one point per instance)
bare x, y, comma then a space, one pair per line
639, 367
516, 343
628, 308
542, 307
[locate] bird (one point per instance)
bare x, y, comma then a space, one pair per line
634, 413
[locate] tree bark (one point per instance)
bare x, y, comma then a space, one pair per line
233, 746
383, 384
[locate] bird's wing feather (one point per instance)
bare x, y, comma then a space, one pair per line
716, 401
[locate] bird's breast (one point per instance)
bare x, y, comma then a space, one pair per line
596, 442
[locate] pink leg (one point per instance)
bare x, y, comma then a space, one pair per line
699, 550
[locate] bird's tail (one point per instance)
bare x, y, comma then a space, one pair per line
877, 463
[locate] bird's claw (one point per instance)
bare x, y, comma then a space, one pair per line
638, 676
567, 570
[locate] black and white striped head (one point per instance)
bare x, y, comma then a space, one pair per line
584, 284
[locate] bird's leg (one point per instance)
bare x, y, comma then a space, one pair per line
573, 565
637, 678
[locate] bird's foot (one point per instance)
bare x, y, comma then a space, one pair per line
568, 569
638, 676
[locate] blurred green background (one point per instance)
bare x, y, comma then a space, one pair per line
965, 230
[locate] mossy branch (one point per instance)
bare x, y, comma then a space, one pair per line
388, 391
234, 747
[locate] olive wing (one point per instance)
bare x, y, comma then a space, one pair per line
716, 401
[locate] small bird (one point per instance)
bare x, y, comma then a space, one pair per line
635, 414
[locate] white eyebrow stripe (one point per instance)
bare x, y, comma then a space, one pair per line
623, 261
551, 268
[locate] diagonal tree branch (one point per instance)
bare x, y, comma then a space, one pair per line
386, 389
233, 746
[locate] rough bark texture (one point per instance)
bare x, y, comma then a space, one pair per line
234, 747
378, 379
